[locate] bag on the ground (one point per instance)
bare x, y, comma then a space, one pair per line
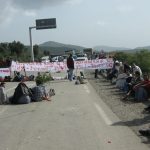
51, 92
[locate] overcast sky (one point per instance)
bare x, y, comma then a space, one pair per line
121, 23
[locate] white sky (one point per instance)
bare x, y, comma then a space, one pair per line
121, 23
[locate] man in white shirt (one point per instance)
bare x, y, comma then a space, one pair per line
136, 68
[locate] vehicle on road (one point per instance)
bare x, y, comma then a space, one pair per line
81, 57
45, 59
57, 59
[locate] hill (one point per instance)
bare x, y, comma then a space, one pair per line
144, 47
109, 48
59, 48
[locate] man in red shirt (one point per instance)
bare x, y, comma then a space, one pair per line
70, 65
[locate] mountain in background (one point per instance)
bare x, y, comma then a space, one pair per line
109, 48
144, 47
138, 49
59, 48
56, 48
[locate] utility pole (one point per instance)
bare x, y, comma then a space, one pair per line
41, 24
31, 45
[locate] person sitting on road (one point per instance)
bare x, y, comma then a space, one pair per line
135, 80
142, 89
121, 79
80, 80
145, 132
136, 68
113, 74
39, 92
18, 77
22, 94
3, 95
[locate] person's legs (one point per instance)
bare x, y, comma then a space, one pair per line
96, 73
70, 74
24, 100
141, 94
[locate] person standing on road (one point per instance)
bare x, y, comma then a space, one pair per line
96, 70
70, 65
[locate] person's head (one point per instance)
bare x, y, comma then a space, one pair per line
70, 55
137, 74
146, 77
2, 84
133, 65
18, 73
39, 82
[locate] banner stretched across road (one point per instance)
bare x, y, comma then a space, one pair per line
61, 66
4, 72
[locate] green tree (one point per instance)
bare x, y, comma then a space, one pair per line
142, 59
121, 56
46, 52
4, 48
36, 50
16, 48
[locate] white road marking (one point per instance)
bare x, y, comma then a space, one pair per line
103, 114
86, 88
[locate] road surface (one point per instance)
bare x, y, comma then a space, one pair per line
75, 119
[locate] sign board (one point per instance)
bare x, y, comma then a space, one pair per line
46, 23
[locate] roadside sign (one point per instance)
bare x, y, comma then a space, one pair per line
45, 23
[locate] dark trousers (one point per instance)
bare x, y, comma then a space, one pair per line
96, 73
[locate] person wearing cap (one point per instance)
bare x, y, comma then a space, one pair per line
3, 95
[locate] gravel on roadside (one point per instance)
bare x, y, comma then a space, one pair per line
131, 113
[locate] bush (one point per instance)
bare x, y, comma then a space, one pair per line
140, 58
41, 79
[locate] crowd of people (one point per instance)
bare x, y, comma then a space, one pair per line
24, 95
132, 82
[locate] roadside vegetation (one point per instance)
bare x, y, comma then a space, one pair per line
18, 51
140, 58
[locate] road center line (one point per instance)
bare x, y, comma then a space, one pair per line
103, 114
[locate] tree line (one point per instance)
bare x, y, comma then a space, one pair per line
18, 51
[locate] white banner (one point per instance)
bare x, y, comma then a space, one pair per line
4, 72
94, 64
61, 66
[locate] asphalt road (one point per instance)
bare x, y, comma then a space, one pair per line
75, 119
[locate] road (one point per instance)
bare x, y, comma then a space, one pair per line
75, 119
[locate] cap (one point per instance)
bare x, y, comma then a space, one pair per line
117, 62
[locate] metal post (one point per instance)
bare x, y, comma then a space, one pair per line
31, 46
